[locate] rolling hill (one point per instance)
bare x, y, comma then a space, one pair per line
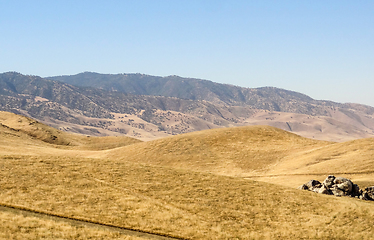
214, 184
256, 152
20, 127
226, 151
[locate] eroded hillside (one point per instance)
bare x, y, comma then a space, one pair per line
114, 109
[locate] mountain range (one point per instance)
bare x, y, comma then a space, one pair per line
149, 107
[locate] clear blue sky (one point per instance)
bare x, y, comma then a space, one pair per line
324, 49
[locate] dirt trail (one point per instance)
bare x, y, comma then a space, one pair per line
87, 223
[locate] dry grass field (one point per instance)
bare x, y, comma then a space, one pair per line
226, 151
236, 183
15, 226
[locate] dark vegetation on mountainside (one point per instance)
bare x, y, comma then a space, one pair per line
169, 105
267, 98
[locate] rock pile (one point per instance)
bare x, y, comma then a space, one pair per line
339, 186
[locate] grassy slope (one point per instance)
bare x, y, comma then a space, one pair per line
16, 226
181, 203
139, 186
228, 151
352, 159
259, 152
37, 131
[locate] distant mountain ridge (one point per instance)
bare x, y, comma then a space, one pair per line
267, 98
149, 107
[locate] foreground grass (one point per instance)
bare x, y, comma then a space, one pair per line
14, 226
180, 203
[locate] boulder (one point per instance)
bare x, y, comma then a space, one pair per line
329, 181
364, 196
337, 191
324, 190
343, 184
313, 184
356, 191
369, 193
339, 186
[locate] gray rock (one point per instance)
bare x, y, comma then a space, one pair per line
343, 184
364, 196
324, 190
312, 184
339, 186
356, 191
329, 181
337, 191
369, 193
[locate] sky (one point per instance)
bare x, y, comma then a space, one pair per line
324, 49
